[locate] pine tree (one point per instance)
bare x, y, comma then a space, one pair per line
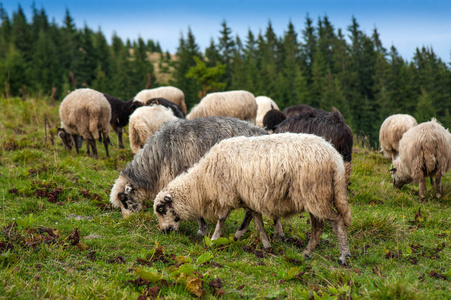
425, 108
226, 47
186, 52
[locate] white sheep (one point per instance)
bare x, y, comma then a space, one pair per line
264, 104
236, 104
424, 151
277, 176
85, 113
391, 133
170, 93
145, 121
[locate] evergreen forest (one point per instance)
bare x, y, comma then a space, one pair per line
318, 64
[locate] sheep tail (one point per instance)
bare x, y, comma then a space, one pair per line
341, 196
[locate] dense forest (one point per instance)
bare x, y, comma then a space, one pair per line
318, 65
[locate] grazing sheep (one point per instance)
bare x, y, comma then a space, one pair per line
277, 175
273, 118
145, 121
120, 114
176, 109
391, 133
171, 150
85, 113
170, 93
296, 109
424, 150
330, 125
264, 104
237, 104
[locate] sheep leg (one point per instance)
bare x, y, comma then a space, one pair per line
202, 227
432, 180
422, 186
119, 137
438, 186
75, 139
258, 221
339, 228
218, 230
278, 230
317, 229
105, 144
100, 136
244, 225
92, 143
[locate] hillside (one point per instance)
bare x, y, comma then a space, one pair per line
60, 238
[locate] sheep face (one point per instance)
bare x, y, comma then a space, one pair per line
66, 138
167, 217
126, 197
399, 174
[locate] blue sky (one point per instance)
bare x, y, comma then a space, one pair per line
405, 24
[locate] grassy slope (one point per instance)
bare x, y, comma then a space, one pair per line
43, 188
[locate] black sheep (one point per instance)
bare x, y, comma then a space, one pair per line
120, 114
273, 118
329, 125
176, 109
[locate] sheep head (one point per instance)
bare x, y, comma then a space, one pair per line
167, 217
126, 197
66, 138
400, 174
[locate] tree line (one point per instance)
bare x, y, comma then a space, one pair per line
319, 65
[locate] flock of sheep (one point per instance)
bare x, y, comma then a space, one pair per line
234, 150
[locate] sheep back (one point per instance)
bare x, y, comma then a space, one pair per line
170, 93
424, 150
391, 132
297, 109
237, 104
176, 109
145, 121
85, 112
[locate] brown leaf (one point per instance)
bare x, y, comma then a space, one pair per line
216, 283
240, 287
194, 286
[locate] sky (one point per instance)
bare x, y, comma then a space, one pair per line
404, 24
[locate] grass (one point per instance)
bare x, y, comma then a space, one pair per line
59, 237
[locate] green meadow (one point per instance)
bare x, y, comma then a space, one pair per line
61, 239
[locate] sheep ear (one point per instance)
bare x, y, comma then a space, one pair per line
168, 198
393, 170
128, 189
61, 133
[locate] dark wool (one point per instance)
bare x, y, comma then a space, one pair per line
297, 109
120, 114
176, 109
329, 125
273, 118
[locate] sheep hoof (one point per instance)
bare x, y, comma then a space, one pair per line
200, 234
438, 196
306, 255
